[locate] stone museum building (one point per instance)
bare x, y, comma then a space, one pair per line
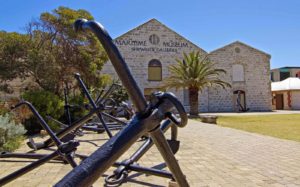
151, 47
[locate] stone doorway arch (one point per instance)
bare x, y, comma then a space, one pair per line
239, 100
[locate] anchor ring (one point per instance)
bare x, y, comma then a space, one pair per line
113, 181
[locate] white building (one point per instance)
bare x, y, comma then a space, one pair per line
286, 94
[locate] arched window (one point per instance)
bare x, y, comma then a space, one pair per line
154, 70
237, 73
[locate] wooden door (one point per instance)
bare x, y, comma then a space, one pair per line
279, 102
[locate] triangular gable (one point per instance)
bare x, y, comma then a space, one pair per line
243, 44
155, 21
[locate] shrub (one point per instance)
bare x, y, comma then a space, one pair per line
3, 109
78, 110
11, 134
119, 95
46, 103
19, 115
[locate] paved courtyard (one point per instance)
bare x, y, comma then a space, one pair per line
209, 156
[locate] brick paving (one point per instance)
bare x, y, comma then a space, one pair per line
209, 156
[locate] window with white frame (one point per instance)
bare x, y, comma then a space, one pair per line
238, 73
154, 70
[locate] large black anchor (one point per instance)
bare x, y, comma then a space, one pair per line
123, 168
147, 119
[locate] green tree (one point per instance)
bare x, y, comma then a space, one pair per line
46, 103
57, 52
119, 95
13, 50
194, 72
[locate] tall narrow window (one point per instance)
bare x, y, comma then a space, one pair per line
272, 76
284, 75
154, 70
237, 73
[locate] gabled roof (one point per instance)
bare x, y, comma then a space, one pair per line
291, 83
241, 43
153, 20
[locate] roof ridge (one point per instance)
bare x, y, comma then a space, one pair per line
242, 43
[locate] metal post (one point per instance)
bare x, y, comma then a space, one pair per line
145, 170
113, 118
65, 131
67, 106
43, 123
87, 94
26, 155
149, 143
166, 152
106, 94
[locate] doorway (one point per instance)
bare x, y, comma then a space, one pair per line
240, 100
279, 102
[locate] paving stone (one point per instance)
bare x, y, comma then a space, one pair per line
209, 156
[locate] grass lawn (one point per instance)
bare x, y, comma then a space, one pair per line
285, 126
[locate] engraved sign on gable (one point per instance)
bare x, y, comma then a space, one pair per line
152, 45
154, 39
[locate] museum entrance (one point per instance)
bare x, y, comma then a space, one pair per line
239, 98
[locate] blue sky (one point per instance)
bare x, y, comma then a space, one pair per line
269, 25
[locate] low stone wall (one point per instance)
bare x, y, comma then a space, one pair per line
209, 119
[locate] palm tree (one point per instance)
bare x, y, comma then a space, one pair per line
195, 72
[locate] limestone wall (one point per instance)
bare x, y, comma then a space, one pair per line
295, 99
138, 47
256, 81
153, 40
249, 67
